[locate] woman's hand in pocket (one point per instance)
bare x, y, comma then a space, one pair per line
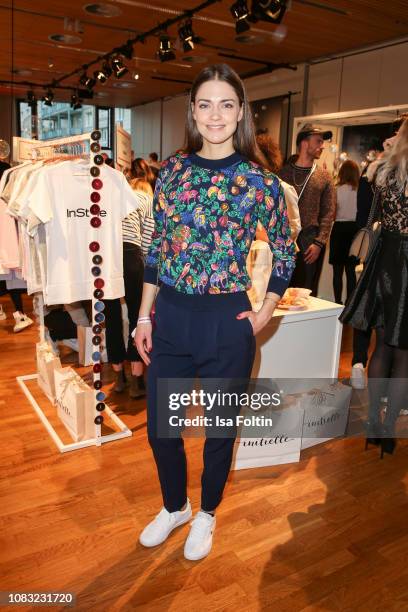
254, 319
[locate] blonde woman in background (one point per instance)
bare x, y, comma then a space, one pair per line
380, 299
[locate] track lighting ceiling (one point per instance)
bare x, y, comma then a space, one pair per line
268, 10
75, 102
186, 35
118, 67
240, 12
127, 50
87, 81
165, 52
48, 98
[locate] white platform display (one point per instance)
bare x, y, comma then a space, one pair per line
300, 344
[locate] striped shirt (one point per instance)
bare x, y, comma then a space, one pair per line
138, 226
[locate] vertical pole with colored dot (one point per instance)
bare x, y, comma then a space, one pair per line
98, 306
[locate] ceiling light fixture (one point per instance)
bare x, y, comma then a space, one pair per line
240, 12
165, 52
100, 76
268, 10
118, 67
76, 103
48, 98
87, 81
187, 36
136, 76
127, 50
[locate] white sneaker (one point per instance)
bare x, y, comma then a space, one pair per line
3, 315
199, 541
160, 528
358, 376
22, 321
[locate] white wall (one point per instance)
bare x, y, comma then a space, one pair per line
174, 119
365, 80
146, 128
370, 79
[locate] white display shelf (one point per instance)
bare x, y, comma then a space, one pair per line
300, 344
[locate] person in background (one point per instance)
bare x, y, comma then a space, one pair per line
317, 202
365, 195
142, 170
344, 229
137, 231
380, 300
273, 156
153, 161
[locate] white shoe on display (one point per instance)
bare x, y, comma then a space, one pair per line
3, 315
358, 376
199, 541
160, 528
22, 321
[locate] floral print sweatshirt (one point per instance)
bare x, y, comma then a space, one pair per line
206, 213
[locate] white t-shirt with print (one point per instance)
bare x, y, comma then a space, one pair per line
61, 200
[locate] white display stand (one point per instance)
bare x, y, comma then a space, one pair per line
98, 440
63, 147
300, 344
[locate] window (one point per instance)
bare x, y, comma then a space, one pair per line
60, 120
25, 119
123, 116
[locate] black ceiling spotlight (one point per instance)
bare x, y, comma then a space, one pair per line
100, 76
240, 12
75, 102
87, 81
187, 36
103, 74
165, 52
127, 50
268, 10
118, 67
30, 96
48, 98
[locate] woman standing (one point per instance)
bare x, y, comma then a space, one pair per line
137, 229
207, 204
381, 296
344, 230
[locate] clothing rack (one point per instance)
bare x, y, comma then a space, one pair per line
34, 150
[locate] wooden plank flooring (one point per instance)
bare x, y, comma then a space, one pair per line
328, 533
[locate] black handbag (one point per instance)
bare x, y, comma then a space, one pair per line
306, 237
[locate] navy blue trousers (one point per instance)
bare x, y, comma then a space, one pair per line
196, 335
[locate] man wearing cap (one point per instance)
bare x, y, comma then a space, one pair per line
317, 202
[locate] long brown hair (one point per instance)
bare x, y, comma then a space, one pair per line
244, 140
349, 174
271, 152
139, 184
142, 170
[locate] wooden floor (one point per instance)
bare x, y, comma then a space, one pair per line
328, 533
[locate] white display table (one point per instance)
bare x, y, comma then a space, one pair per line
300, 344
